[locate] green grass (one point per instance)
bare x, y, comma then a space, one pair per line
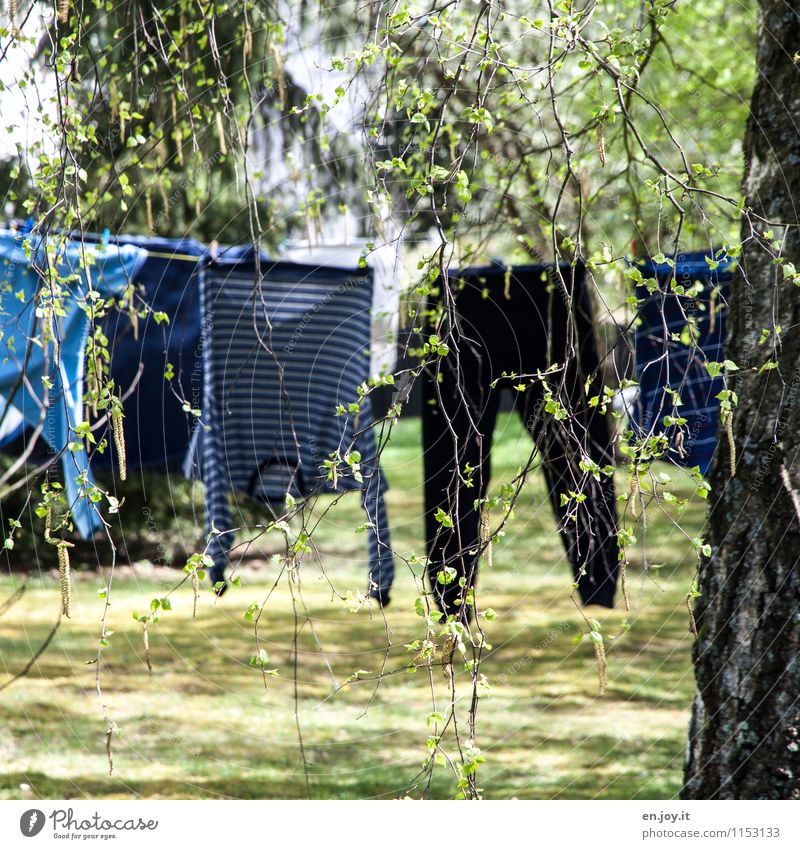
204, 725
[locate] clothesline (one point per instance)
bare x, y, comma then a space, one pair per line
356, 242
176, 257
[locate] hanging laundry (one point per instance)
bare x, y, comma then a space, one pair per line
157, 427
27, 353
285, 346
384, 260
681, 326
511, 324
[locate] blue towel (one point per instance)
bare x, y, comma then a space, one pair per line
157, 428
663, 361
24, 364
267, 438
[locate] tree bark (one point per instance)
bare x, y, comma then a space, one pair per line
744, 738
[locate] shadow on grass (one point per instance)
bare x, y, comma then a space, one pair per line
204, 725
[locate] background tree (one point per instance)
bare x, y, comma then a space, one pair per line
745, 733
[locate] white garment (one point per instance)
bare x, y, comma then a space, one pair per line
384, 261
13, 424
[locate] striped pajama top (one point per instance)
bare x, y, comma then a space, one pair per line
284, 345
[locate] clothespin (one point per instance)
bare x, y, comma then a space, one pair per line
105, 238
213, 250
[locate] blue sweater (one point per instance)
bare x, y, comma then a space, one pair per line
664, 360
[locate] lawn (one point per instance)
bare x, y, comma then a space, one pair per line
204, 725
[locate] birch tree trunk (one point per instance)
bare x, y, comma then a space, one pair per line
744, 739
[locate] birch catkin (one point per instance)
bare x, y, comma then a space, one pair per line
692, 621
731, 444
162, 190
112, 96
176, 132
119, 442
178, 145
196, 591
49, 332
635, 493
279, 75
148, 208
601, 144
146, 641
448, 650
623, 580
98, 382
63, 11
602, 664
12, 16
223, 148
65, 578
712, 313
109, 749
486, 537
